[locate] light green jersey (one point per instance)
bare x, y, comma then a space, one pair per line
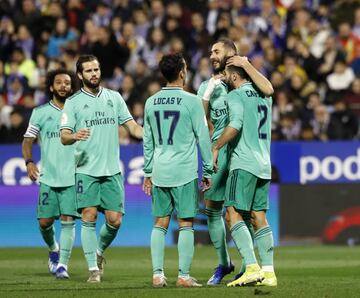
57, 160
99, 155
174, 123
218, 107
250, 114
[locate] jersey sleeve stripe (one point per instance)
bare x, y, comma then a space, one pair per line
126, 120
66, 127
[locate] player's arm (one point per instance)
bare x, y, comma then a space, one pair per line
201, 132
257, 77
134, 129
236, 111
30, 136
31, 168
149, 145
69, 138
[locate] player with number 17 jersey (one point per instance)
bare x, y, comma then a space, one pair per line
171, 113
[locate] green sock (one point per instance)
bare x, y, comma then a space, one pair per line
247, 219
106, 236
48, 235
243, 242
158, 249
67, 237
89, 243
265, 244
186, 250
217, 233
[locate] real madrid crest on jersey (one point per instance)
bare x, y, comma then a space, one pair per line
109, 103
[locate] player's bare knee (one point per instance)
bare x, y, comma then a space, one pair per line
45, 222
115, 222
89, 215
162, 222
185, 222
258, 219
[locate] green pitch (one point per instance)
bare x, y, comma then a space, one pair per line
302, 272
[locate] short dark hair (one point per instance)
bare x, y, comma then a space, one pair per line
82, 59
170, 66
229, 45
50, 77
239, 70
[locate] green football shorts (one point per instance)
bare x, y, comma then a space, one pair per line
184, 199
105, 193
217, 190
245, 191
56, 201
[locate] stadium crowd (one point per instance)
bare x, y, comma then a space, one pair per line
310, 50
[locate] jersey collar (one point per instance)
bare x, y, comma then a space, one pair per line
172, 88
90, 94
54, 106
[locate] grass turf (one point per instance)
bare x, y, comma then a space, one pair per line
320, 271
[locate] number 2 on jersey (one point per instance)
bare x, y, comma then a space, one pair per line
175, 115
263, 114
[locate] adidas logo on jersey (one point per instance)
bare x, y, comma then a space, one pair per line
85, 106
49, 118
109, 103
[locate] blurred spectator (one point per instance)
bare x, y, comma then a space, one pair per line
141, 75
24, 66
15, 133
157, 13
29, 16
320, 122
339, 80
102, 15
356, 26
25, 41
307, 133
203, 72
343, 122
154, 47
142, 23
313, 101
128, 91
348, 41
7, 32
75, 14
109, 53
282, 105
352, 97
15, 89
62, 38
290, 126
5, 111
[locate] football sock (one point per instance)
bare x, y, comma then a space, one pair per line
265, 244
186, 250
67, 237
157, 246
247, 219
89, 243
243, 242
48, 235
217, 233
106, 236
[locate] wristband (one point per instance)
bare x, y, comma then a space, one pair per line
28, 161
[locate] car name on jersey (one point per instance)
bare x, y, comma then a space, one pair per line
167, 100
100, 120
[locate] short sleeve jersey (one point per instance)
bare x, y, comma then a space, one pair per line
174, 124
57, 160
250, 114
218, 107
99, 155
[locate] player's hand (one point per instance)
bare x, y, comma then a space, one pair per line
32, 171
213, 83
215, 153
239, 61
206, 183
147, 185
82, 134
